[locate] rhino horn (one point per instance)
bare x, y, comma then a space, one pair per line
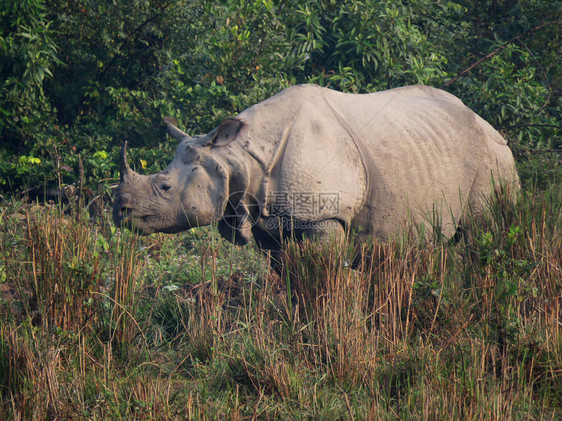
126, 171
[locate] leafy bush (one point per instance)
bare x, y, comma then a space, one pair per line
28, 56
82, 77
363, 46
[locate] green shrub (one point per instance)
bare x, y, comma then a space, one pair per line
79, 78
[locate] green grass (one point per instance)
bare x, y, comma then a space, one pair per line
99, 324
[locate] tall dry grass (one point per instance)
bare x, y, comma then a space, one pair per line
418, 330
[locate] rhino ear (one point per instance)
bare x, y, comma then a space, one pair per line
226, 132
173, 130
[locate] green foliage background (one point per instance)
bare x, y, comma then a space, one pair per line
78, 78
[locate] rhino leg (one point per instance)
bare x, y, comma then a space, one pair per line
325, 231
328, 230
271, 246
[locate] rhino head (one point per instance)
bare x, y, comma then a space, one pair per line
192, 191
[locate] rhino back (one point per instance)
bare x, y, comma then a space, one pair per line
406, 153
423, 149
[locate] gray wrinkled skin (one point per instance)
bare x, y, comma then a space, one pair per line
408, 154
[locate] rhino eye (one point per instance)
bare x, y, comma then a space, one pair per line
165, 187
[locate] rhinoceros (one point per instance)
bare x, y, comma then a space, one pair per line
315, 162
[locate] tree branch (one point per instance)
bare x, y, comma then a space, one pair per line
118, 53
497, 50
